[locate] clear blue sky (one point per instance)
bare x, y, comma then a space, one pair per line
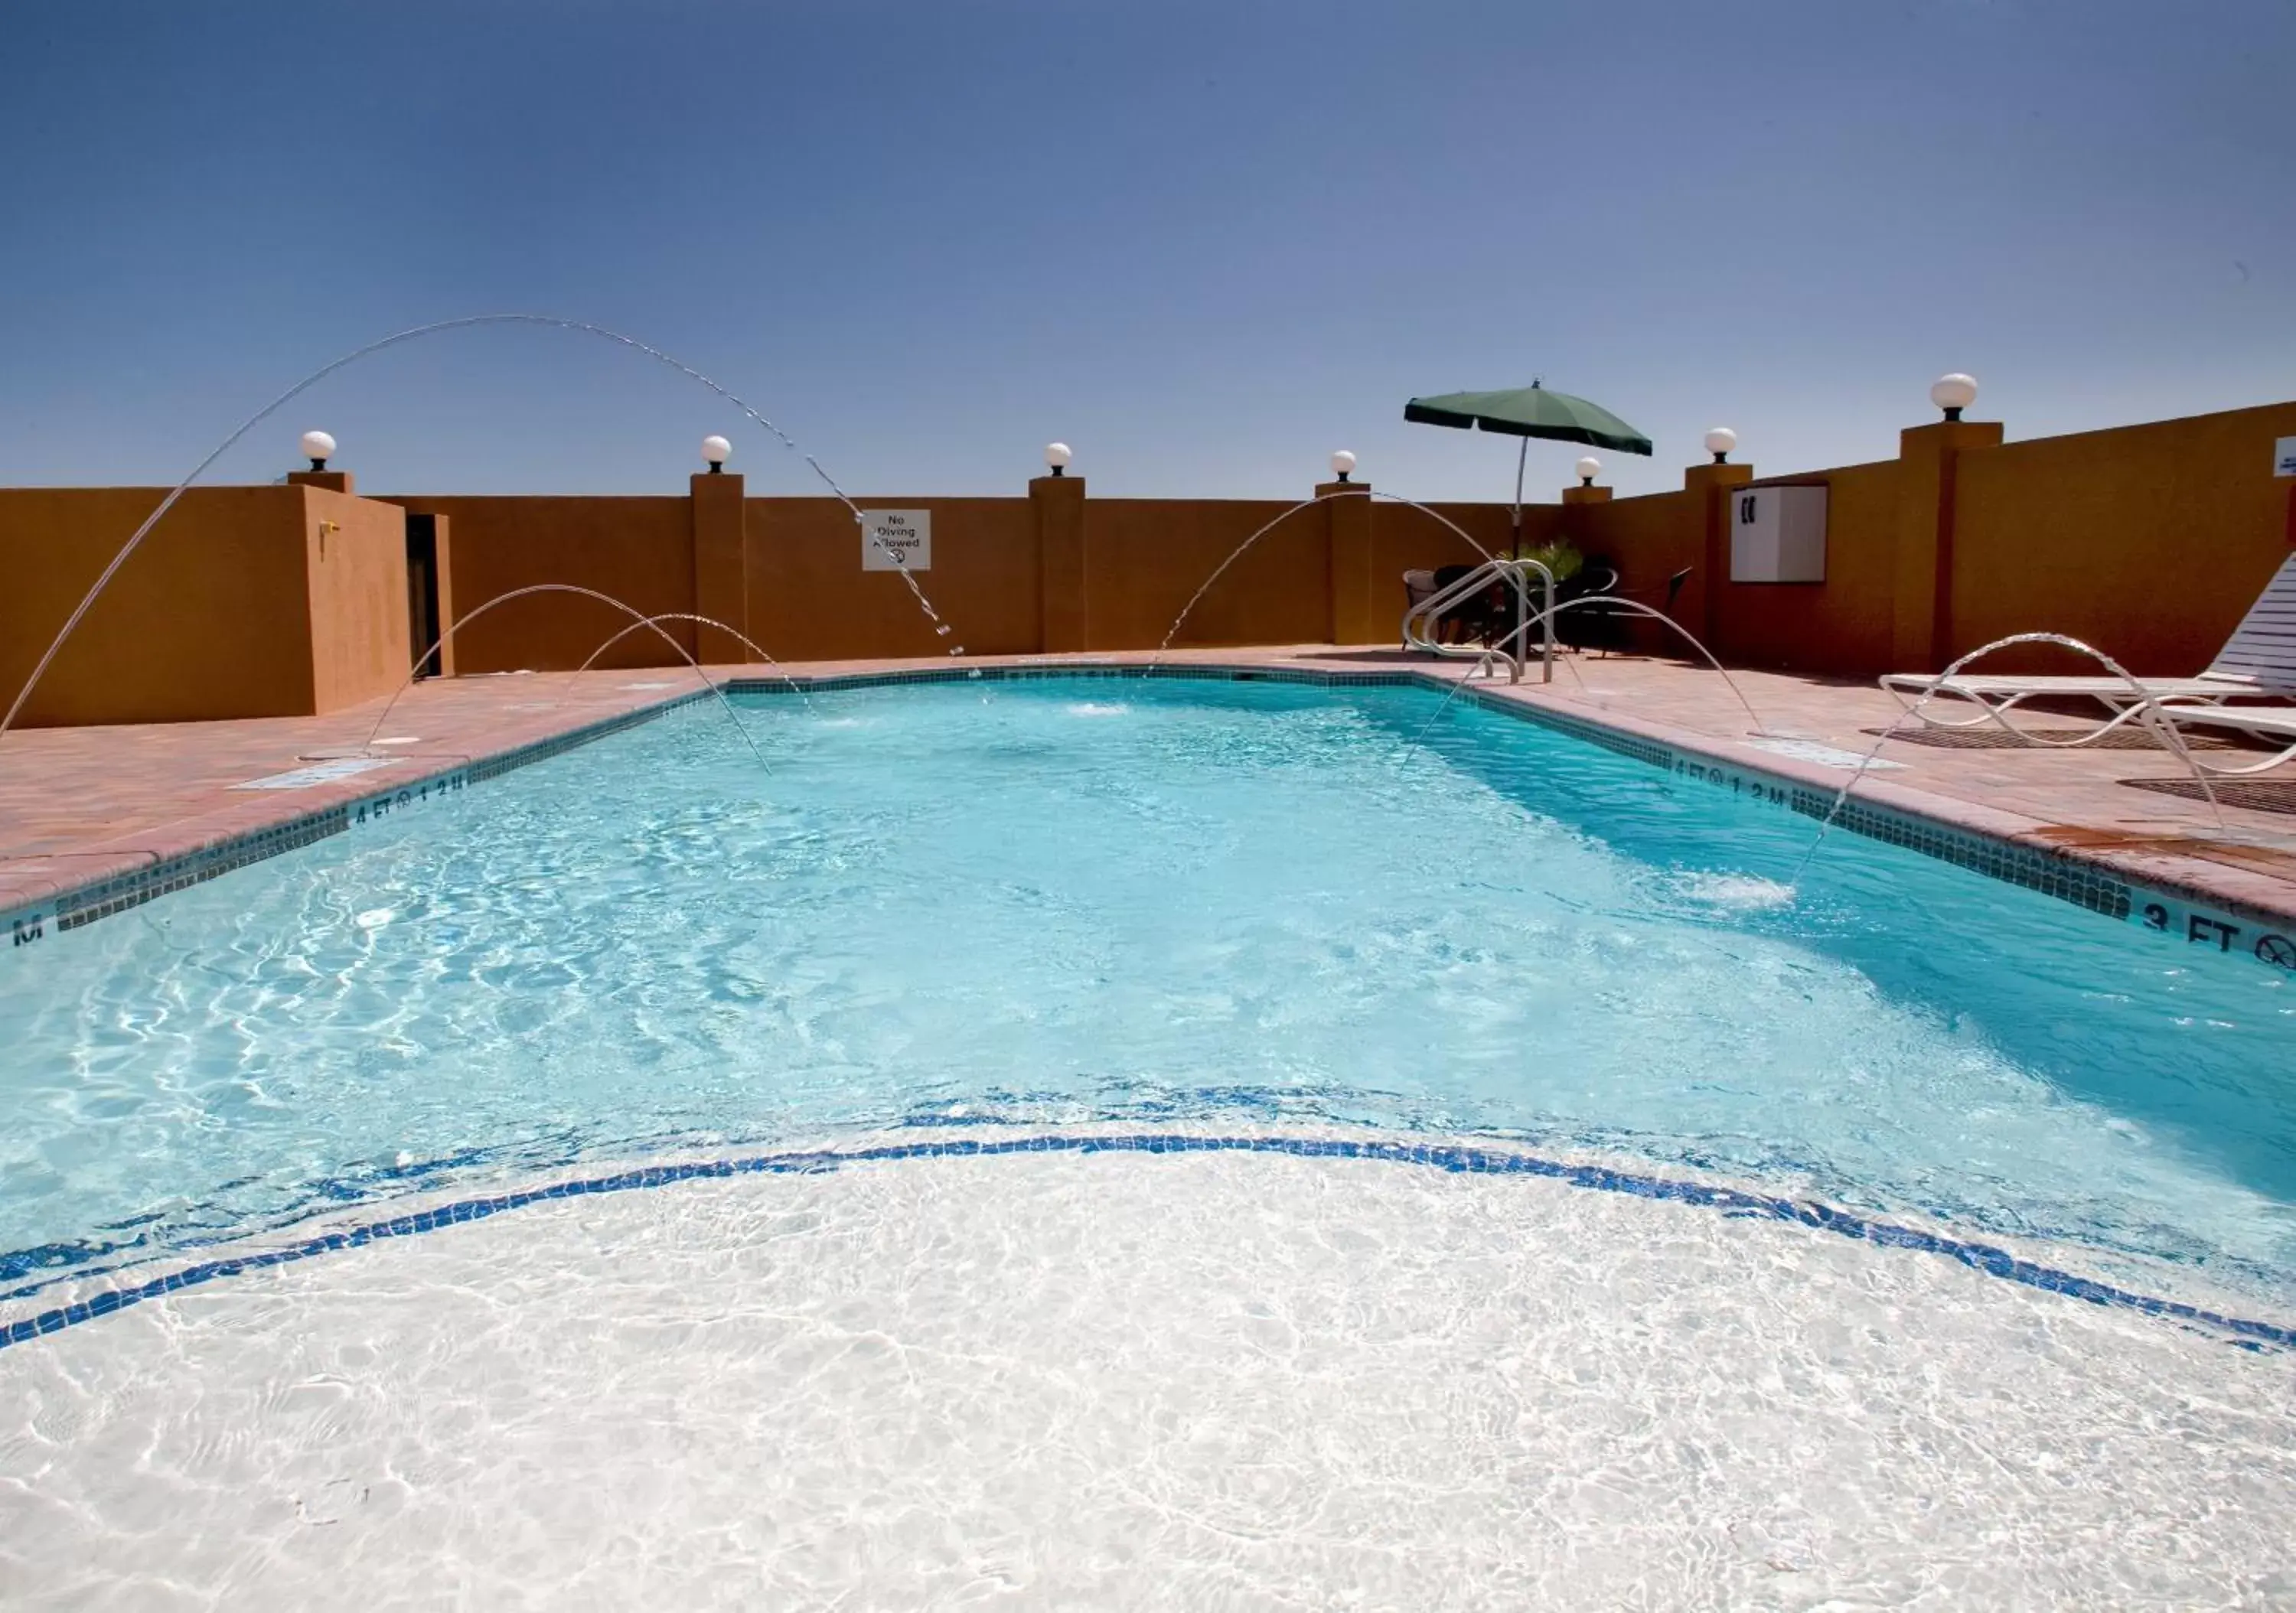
1205, 244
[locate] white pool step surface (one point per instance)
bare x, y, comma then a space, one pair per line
1122, 1380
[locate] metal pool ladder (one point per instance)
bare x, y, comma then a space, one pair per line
1421, 620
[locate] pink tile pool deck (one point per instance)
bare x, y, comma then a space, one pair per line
89, 815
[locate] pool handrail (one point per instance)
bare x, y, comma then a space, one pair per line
1419, 620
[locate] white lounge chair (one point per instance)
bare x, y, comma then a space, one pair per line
1418, 588
2257, 662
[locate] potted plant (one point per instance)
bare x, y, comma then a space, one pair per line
1559, 557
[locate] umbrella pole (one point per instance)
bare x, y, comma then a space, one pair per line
1520, 454
1523, 451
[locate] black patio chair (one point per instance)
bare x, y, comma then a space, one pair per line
1473, 620
1615, 625
1591, 626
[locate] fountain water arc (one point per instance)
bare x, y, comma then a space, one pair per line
1539, 619
1219, 570
1761, 730
2145, 705
639, 619
620, 633
466, 322
1236, 553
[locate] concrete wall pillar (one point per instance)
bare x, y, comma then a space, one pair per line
1922, 595
1572, 527
721, 577
1709, 486
1575, 498
1064, 588
1353, 615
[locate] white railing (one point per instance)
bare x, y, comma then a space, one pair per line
1424, 619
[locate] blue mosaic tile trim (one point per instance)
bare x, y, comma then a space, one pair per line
123, 891
1179, 672
2083, 884
1592, 733
133, 888
1456, 1158
542, 750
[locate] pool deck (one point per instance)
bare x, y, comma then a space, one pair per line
80, 807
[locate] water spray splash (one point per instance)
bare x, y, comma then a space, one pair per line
1732, 892
940, 629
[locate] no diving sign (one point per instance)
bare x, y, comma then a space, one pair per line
896, 540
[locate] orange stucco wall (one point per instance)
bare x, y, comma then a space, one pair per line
1840, 625
638, 550
214, 615
809, 598
1648, 539
2150, 542
1145, 558
2027, 516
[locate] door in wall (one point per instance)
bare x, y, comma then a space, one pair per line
422, 593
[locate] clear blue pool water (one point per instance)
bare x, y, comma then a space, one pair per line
1083, 898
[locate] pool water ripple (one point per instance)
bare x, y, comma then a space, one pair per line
1265, 890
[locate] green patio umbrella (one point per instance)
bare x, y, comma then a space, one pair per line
1529, 412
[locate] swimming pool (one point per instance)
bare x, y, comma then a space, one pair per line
1064, 1141
1074, 900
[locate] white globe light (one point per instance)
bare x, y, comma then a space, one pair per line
1057, 456
1954, 393
1720, 440
318, 446
715, 450
1343, 464
1588, 468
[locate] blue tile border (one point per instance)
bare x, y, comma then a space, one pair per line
85, 904
138, 886
1982, 1257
